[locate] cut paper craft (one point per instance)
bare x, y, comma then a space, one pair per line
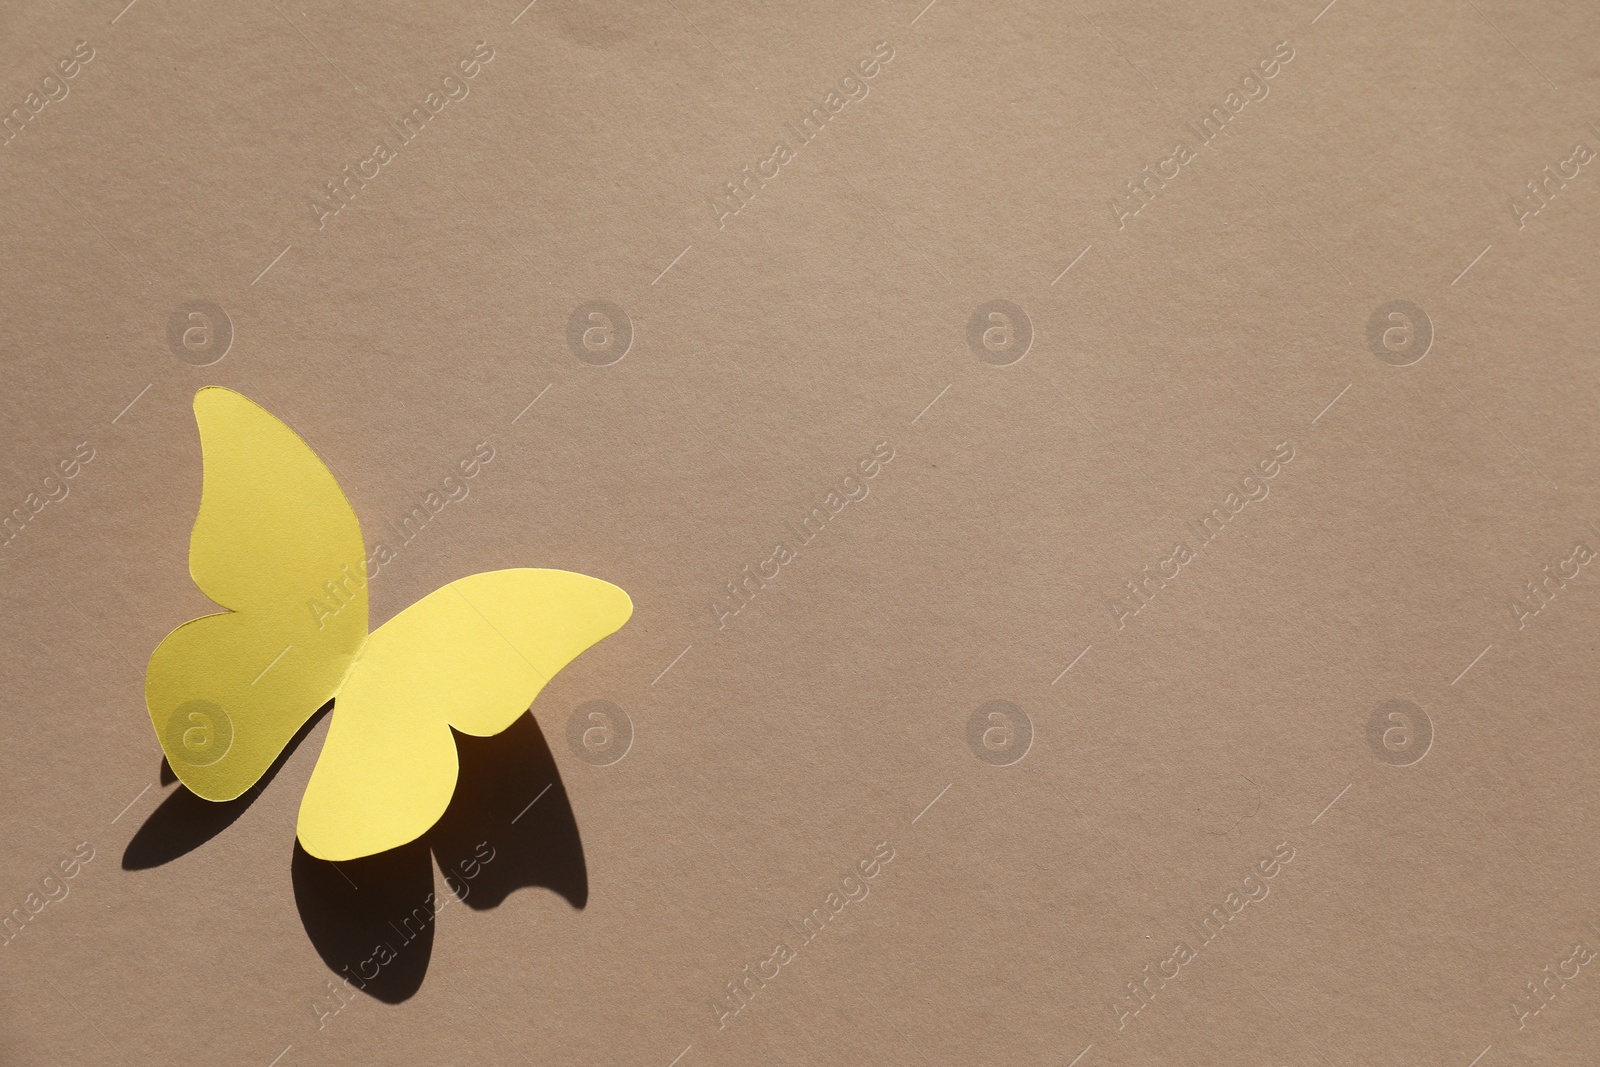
278, 546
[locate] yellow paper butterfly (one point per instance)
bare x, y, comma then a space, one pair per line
227, 692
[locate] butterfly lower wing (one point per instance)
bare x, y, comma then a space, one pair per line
226, 692
472, 655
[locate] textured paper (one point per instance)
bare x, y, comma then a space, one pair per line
1078, 468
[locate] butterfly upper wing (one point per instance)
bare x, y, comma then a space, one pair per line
226, 692
472, 655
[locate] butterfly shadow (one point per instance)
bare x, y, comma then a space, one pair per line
184, 821
509, 826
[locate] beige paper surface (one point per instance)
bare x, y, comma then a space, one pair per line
1108, 493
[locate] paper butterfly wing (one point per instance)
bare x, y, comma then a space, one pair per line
472, 655
226, 692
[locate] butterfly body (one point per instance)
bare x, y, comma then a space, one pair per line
226, 692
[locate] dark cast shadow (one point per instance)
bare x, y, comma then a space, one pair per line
509, 826
370, 919
183, 822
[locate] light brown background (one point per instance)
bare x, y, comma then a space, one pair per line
823, 318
